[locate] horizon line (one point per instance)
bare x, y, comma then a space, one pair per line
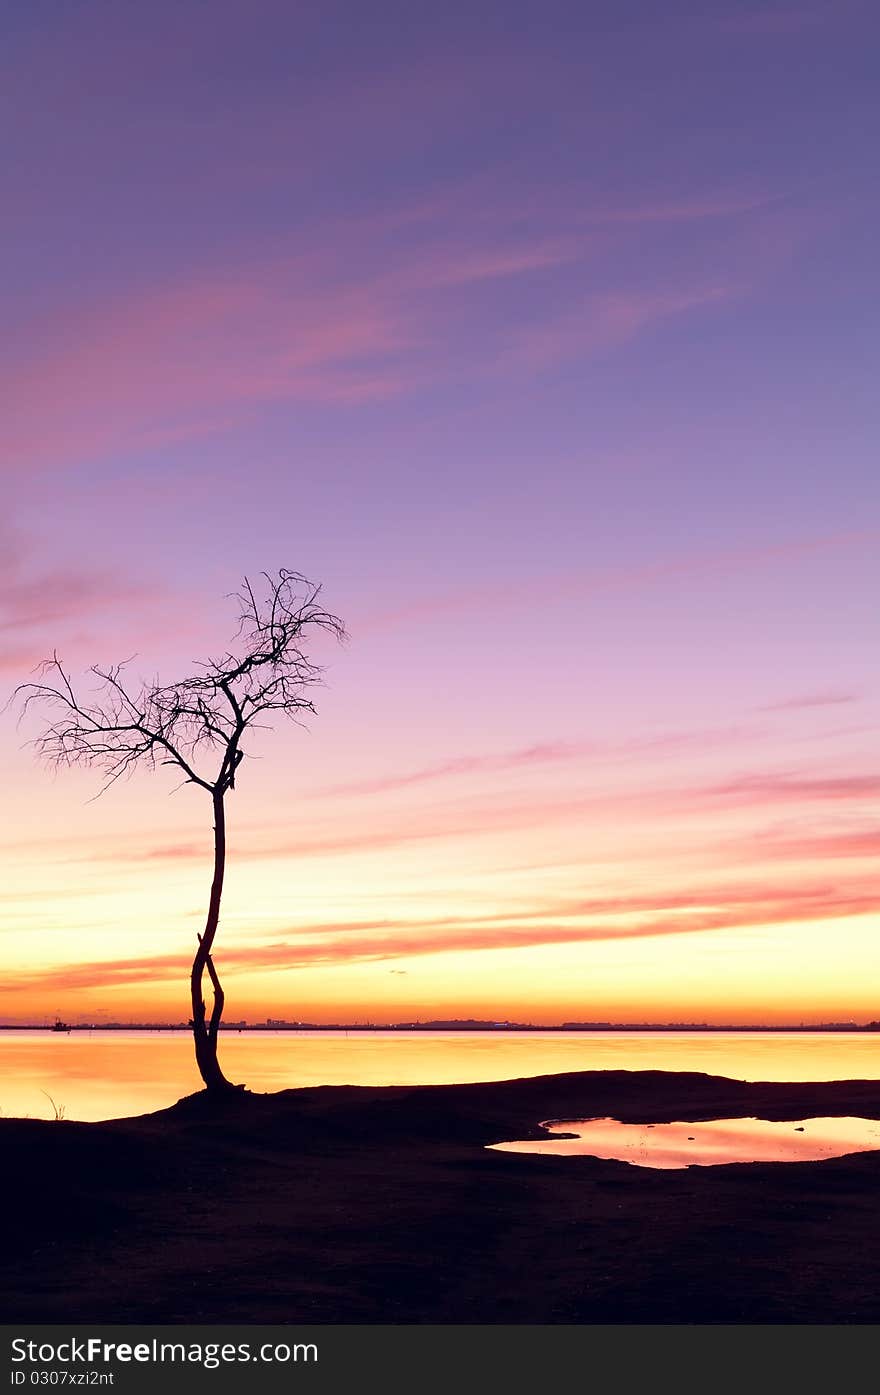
458, 1024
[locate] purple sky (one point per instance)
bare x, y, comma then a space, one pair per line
545, 335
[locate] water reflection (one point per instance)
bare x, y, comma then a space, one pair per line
105, 1075
707, 1143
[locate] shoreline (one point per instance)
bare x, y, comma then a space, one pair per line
359, 1204
398, 1029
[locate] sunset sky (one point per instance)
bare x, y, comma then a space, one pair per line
544, 335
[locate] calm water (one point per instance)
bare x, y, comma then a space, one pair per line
707, 1143
106, 1075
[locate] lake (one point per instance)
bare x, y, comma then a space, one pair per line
106, 1075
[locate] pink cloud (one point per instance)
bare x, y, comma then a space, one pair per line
494, 199
486, 816
781, 19
183, 360
473, 818
544, 753
31, 602
35, 596
409, 942
813, 846
548, 753
785, 787
490, 264
168, 358
204, 350
694, 209
608, 321
538, 591
21, 658
794, 704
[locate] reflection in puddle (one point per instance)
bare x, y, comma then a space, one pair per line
706, 1143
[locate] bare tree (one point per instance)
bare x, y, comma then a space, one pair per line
197, 725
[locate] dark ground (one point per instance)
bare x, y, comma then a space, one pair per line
377, 1206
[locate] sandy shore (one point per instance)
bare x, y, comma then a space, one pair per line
359, 1205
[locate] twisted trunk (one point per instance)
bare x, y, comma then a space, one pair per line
204, 1030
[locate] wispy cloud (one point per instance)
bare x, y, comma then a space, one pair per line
470, 265
201, 350
783, 20
607, 321
718, 204
486, 815
791, 787
35, 595
544, 753
171, 362
170, 356
806, 700
540, 590
813, 846
413, 941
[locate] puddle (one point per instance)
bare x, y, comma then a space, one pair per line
705, 1144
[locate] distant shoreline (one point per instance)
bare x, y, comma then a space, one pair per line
453, 1028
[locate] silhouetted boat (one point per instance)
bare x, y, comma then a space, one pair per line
61, 1026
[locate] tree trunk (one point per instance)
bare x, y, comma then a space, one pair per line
205, 1032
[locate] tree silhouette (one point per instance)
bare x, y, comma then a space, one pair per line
184, 724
